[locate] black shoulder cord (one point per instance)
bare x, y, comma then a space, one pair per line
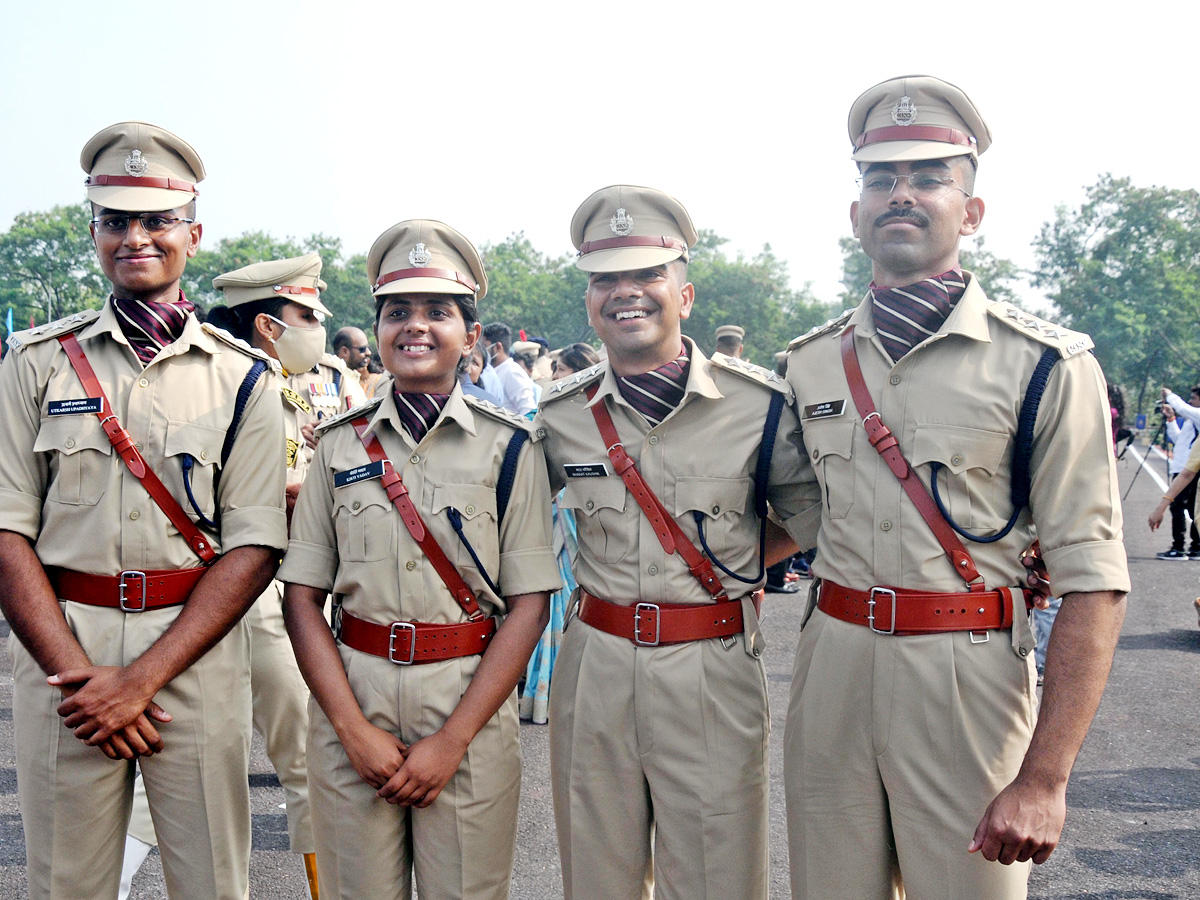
762, 474
1022, 453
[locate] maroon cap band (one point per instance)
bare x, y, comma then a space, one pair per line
914, 133
295, 289
448, 274
667, 243
169, 184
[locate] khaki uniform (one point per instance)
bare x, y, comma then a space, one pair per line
672, 738
895, 746
351, 541
64, 487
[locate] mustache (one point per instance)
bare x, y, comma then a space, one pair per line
903, 213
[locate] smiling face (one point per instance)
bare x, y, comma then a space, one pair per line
143, 266
910, 234
639, 314
422, 338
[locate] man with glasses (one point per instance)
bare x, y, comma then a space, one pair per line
136, 528
914, 758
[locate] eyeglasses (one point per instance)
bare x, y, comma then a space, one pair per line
363, 349
115, 224
927, 184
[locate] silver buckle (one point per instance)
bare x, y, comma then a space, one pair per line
127, 574
982, 640
871, 601
637, 624
412, 644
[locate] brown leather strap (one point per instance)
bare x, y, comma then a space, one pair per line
447, 274
398, 494
124, 445
666, 529
170, 184
888, 610
667, 243
295, 289
914, 133
414, 643
888, 447
131, 591
651, 624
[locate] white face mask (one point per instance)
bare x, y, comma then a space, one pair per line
299, 349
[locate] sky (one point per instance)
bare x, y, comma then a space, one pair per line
345, 117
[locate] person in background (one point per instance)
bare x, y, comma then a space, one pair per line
516, 386
1183, 424
730, 340
1179, 484
525, 353
351, 347
472, 379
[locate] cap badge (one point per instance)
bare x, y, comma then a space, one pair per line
419, 257
135, 164
621, 223
904, 113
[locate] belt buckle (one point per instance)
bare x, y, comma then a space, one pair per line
871, 601
393, 632
121, 600
638, 611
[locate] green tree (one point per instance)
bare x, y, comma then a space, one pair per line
48, 266
531, 290
1125, 268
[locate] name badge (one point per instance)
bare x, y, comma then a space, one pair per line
826, 410
76, 407
358, 473
585, 470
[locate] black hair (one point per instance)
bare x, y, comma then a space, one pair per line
498, 333
466, 303
239, 320
579, 356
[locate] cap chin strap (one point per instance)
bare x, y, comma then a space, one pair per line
665, 242
915, 133
445, 274
168, 184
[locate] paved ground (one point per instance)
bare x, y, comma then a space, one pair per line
1133, 832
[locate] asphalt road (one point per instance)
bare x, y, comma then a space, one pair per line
1133, 828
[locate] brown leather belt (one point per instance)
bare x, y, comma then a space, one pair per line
413, 643
652, 624
131, 591
888, 610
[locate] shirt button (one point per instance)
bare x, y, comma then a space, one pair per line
653, 439
653, 570
204, 454
895, 379
816, 454
541, 433
715, 510
470, 510
414, 459
137, 447
956, 460
70, 443
410, 565
591, 504
356, 504
885, 525
142, 382
134, 514
1023, 652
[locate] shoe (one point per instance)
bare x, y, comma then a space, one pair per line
1173, 554
788, 587
1194, 554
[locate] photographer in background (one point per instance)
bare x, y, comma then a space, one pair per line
1183, 425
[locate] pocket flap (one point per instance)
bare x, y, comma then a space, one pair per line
203, 442
830, 438
959, 448
70, 434
712, 496
591, 494
471, 500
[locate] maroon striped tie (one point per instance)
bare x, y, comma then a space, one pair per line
418, 412
149, 325
906, 316
655, 393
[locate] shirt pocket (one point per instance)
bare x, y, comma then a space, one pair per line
364, 521
82, 461
830, 445
476, 506
967, 484
722, 503
203, 444
605, 528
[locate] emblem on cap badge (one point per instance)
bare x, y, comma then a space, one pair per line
904, 113
135, 164
621, 223
418, 256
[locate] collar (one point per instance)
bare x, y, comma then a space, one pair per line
699, 381
109, 325
456, 409
968, 318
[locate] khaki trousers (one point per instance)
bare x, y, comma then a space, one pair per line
893, 749
75, 802
658, 760
461, 846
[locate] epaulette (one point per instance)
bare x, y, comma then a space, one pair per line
358, 412
334, 362
573, 384
750, 372
18, 340
238, 344
508, 417
835, 324
1067, 342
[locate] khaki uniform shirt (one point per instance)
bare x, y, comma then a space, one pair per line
701, 458
64, 487
310, 397
351, 540
955, 399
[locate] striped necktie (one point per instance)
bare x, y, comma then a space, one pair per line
655, 393
905, 316
418, 412
149, 326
